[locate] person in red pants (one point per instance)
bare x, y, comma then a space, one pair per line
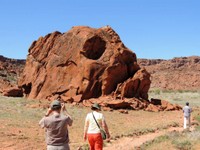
91, 129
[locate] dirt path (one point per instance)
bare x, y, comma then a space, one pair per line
129, 143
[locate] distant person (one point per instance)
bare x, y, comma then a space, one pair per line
187, 113
91, 129
56, 126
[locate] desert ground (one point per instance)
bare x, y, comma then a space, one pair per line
19, 129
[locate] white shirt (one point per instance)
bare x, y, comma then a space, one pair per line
187, 111
93, 128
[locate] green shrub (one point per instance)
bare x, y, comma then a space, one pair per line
157, 92
161, 138
182, 145
155, 141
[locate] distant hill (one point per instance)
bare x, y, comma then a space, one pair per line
182, 73
10, 70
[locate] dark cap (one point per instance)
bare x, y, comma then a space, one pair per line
55, 104
96, 106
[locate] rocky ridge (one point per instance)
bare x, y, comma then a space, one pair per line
180, 73
10, 70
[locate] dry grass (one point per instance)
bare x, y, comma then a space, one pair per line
19, 123
177, 97
175, 140
156, 144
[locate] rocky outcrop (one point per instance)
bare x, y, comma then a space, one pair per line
154, 105
10, 70
83, 63
13, 92
175, 74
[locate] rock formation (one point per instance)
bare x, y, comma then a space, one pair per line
10, 70
13, 92
175, 74
83, 63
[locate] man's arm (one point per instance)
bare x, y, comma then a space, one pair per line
49, 111
41, 123
64, 111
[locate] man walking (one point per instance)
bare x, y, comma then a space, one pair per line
187, 113
56, 125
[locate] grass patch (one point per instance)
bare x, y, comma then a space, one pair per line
197, 117
173, 140
177, 97
18, 118
154, 143
183, 144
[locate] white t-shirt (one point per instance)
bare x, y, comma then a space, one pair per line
93, 128
187, 111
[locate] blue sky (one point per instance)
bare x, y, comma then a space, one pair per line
151, 28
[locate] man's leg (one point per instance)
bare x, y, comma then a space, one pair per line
185, 123
189, 123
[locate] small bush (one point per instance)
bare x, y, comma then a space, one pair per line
155, 141
183, 145
157, 92
161, 138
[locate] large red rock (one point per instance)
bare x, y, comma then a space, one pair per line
13, 92
83, 61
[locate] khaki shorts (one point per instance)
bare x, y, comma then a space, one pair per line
60, 147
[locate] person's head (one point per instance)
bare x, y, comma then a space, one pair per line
187, 103
96, 107
56, 105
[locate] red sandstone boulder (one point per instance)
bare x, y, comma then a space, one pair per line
13, 92
153, 108
161, 105
137, 86
155, 105
83, 61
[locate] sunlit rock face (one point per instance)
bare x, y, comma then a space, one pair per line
85, 63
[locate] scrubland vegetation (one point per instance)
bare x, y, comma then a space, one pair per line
19, 119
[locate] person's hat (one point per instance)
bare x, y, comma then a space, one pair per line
56, 104
97, 106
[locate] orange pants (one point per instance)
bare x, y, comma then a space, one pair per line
95, 141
